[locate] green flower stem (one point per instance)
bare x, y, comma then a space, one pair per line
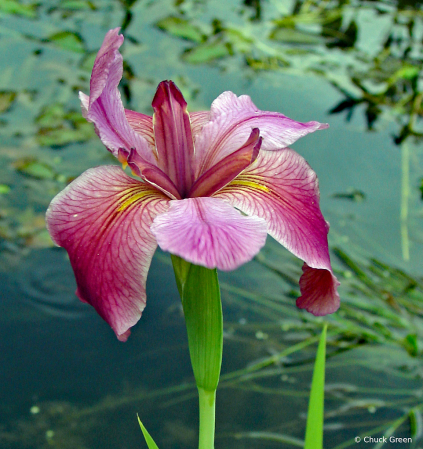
200, 294
207, 400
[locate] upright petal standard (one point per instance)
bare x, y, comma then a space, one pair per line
194, 173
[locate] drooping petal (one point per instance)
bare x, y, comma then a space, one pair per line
231, 120
173, 136
319, 294
228, 168
102, 219
104, 106
282, 188
209, 232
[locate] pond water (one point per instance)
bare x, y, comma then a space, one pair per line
65, 381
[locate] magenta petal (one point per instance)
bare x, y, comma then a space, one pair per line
104, 106
228, 168
152, 174
319, 294
282, 188
102, 219
173, 136
209, 232
231, 120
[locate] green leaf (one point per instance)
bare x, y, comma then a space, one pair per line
51, 115
203, 317
4, 188
67, 40
314, 427
408, 72
87, 62
411, 344
6, 100
180, 28
293, 36
61, 136
34, 169
207, 52
150, 442
16, 7
77, 5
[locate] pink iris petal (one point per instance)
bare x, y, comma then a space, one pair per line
198, 119
173, 136
282, 188
102, 219
104, 105
228, 168
319, 294
103, 61
209, 232
151, 174
142, 124
231, 121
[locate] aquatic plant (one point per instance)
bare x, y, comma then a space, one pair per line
193, 170
196, 172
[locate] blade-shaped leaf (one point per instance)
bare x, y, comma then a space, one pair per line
150, 442
200, 293
314, 428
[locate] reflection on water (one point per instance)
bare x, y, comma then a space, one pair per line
45, 280
66, 381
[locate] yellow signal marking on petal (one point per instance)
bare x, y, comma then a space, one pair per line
122, 160
252, 184
133, 198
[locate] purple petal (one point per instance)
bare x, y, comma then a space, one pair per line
209, 232
102, 219
104, 106
173, 136
228, 168
231, 120
282, 188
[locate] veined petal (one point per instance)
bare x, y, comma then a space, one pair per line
142, 124
198, 119
105, 57
209, 232
228, 168
231, 120
282, 188
104, 106
103, 221
319, 294
152, 174
173, 136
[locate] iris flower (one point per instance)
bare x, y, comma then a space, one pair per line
208, 187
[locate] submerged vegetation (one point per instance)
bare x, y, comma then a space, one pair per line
374, 367
371, 53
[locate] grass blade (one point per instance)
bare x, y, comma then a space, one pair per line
314, 427
150, 442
